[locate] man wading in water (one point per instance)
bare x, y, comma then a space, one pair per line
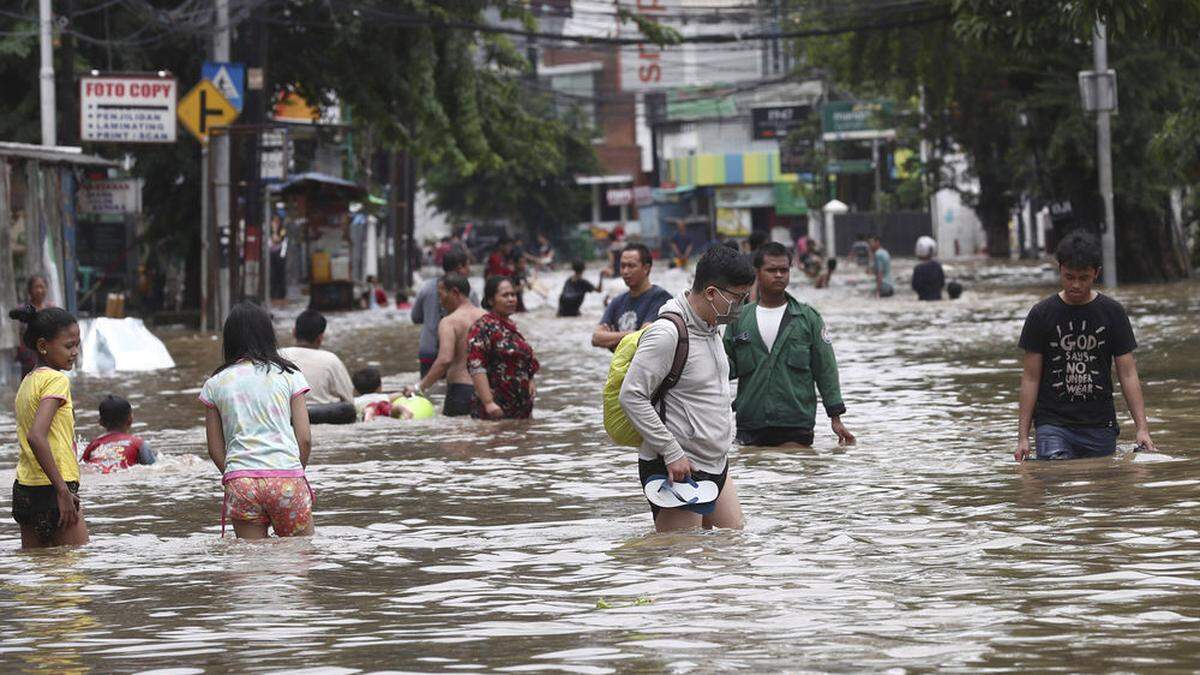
1071, 340
780, 353
693, 435
454, 295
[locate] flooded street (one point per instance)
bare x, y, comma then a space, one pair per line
447, 545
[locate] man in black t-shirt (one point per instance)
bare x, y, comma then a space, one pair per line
576, 287
634, 310
1071, 340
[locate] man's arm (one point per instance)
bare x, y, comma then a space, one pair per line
418, 307
342, 386
146, 454
605, 336
1031, 377
1131, 388
447, 341
825, 372
649, 367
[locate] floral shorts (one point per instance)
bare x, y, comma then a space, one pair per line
284, 503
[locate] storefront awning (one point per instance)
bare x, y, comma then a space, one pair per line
604, 180
320, 181
750, 168
53, 154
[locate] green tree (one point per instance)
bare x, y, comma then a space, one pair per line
999, 83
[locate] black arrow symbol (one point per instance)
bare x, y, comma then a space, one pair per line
206, 112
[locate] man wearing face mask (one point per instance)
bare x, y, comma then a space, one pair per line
780, 354
693, 435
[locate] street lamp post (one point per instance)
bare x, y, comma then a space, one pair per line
1098, 89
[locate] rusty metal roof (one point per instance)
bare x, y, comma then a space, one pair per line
53, 154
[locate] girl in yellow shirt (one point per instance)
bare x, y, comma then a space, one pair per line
45, 494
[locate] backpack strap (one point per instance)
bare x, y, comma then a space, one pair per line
677, 364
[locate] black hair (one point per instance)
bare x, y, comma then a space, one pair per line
453, 260
33, 278
491, 287
773, 249
831, 265
457, 282
954, 289
722, 267
757, 239
367, 381
642, 251
114, 412
1079, 250
42, 324
729, 243
249, 335
310, 325
577, 266
874, 237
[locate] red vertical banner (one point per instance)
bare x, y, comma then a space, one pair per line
253, 251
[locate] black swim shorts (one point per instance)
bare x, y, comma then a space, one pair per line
36, 506
657, 467
458, 400
772, 436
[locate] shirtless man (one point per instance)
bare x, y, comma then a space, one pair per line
454, 293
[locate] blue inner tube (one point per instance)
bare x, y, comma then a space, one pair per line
331, 413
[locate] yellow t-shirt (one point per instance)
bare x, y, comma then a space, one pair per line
45, 383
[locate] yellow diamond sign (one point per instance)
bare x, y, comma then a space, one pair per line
203, 108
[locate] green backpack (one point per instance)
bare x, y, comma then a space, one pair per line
618, 426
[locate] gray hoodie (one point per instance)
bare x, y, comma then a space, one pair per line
699, 416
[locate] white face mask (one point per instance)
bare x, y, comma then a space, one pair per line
733, 308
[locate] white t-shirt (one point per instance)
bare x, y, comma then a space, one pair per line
768, 323
325, 372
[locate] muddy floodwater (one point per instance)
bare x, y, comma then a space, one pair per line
454, 545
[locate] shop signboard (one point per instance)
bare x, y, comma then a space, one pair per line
746, 197
849, 166
857, 120
776, 121
110, 197
134, 108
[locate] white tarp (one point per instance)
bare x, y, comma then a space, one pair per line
111, 345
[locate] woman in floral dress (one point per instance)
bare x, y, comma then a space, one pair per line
501, 362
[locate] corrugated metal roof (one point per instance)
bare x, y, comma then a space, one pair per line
56, 154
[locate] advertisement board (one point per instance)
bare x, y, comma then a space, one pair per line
136, 108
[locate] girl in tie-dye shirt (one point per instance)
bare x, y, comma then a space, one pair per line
258, 433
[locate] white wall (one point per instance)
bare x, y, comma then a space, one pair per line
955, 221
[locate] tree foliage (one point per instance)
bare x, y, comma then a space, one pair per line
999, 83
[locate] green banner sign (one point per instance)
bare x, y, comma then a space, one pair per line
863, 120
847, 166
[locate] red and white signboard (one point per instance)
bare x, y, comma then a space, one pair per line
127, 108
110, 196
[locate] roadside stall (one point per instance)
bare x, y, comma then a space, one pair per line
320, 205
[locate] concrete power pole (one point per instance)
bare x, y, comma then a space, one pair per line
1108, 239
222, 39
46, 73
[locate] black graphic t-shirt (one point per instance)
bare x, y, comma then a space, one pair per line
627, 314
1077, 344
572, 296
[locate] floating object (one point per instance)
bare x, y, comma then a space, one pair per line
332, 413
119, 345
420, 407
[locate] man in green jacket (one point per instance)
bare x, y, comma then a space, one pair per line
780, 353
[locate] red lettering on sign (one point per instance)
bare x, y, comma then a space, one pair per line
650, 5
650, 73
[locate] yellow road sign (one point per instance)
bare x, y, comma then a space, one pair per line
203, 108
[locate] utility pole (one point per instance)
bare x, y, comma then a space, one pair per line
220, 177
46, 73
1108, 238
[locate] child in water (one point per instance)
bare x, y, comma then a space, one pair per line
45, 496
257, 428
370, 401
117, 448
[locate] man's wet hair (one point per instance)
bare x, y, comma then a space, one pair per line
453, 260
954, 289
722, 267
367, 381
577, 266
310, 325
773, 249
642, 251
1079, 250
114, 412
452, 281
